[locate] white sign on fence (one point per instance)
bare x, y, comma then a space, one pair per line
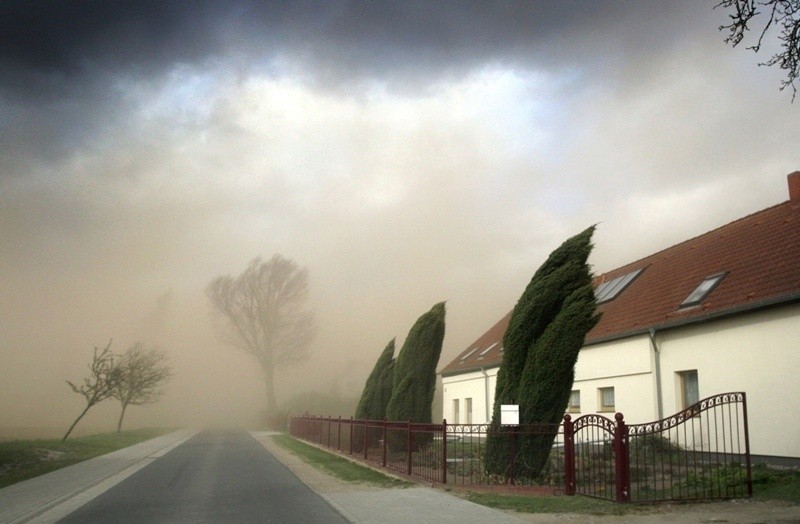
509, 414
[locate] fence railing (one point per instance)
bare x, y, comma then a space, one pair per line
702, 452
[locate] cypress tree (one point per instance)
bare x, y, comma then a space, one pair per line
564, 271
375, 396
414, 376
548, 375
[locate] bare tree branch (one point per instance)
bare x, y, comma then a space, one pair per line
263, 312
782, 13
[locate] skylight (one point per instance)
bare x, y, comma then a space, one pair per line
470, 352
702, 291
609, 290
487, 350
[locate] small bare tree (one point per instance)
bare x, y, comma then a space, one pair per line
142, 374
263, 314
100, 384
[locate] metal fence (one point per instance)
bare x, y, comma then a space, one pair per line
700, 453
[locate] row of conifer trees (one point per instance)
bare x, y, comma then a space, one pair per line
541, 345
402, 388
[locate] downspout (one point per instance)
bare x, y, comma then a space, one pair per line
657, 360
486, 394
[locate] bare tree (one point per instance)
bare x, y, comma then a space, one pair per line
142, 373
782, 13
100, 384
264, 315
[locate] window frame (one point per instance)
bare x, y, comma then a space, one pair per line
603, 407
683, 381
571, 406
699, 294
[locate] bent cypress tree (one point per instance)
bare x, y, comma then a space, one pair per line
373, 402
564, 271
548, 375
376, 394
415, 375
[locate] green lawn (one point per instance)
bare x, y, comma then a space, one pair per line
337, 466
24, 459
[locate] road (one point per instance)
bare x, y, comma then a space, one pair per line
216, 476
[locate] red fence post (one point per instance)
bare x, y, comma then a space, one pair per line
513, 436
350, 451
444, 451
408, 447
569, 455
330, 420
747, 447
339, 434
622, 460
384, 443
366, 440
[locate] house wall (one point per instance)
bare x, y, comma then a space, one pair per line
469, 385
627, 366
758, 353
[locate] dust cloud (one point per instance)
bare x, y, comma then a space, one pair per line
404, 156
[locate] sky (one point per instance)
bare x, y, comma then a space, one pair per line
404, 153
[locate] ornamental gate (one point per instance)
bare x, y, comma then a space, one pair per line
700, 453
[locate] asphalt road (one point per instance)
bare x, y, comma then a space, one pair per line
219, 476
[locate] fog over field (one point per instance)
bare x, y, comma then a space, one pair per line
405, 153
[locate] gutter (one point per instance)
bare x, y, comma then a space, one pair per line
657, 371
486, 393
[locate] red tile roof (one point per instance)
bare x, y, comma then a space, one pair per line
759, 254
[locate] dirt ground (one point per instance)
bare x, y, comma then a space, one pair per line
734, 511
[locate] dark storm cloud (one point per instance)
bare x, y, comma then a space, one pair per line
56, 48
64, 48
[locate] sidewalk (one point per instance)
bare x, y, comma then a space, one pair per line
52, 496
368, 504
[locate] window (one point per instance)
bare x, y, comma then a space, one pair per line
702, 291
482, 353
574, 401
609, 290
689, 390
606, 397
468, 410
468, 353
455, 411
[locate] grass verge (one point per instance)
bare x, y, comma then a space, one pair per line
24, 459
337, 466
776, 484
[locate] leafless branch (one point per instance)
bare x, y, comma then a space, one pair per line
782, 13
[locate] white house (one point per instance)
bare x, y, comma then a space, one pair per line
716, 313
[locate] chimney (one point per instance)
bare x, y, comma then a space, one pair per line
794, 186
